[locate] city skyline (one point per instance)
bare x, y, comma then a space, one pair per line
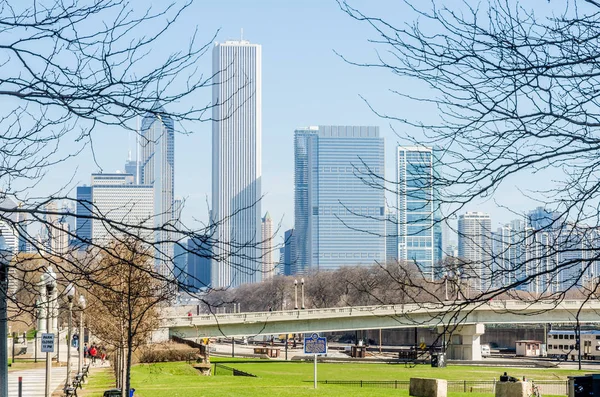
259, 157
285, 108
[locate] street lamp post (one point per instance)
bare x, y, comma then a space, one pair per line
70, 295
4, 263
302, 285
295, 294
81, 331
49, 279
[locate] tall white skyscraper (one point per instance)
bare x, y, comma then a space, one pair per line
268, 254
236, 163
157, 169
475, 247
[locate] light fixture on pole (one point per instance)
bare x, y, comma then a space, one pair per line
80, 340
295, 294
70, 292
5, 257
302, 286
49, 280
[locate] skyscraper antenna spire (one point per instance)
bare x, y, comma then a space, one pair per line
242, 34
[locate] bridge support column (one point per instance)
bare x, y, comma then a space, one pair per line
463, 343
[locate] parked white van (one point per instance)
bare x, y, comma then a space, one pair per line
485, 351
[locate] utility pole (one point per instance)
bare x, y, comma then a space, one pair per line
5, 256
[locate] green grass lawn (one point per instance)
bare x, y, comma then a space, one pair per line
100, 379
295, 379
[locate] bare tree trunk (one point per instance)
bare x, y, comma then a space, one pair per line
124, 372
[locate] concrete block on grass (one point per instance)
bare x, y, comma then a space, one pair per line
424, 387
513, 389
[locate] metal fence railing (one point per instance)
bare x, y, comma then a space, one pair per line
384, 384
546, 387
221, 369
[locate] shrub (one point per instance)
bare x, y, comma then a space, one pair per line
166, 352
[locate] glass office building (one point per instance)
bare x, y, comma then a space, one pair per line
419, 238
339, 214
83, 228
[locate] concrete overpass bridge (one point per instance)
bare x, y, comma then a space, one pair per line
463, 324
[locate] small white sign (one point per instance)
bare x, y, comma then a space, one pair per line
47, 343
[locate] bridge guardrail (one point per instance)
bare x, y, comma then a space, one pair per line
435, 309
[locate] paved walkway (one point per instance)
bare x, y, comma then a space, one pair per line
34, 381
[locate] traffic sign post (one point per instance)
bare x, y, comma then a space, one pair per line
315, 345
47, 343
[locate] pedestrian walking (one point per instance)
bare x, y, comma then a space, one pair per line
93, 354
86, 353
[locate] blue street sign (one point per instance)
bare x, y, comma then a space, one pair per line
315, 345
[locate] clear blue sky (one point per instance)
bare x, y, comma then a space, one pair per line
304, 83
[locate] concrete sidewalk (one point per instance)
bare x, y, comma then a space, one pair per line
34, 381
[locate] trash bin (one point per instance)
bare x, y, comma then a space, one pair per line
438, 360
117, 393
584, 386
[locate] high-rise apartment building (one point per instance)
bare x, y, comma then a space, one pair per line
475, 247
339, 217
116, 199
236, 162
157, 169
268, 254
10, 235
417, 239
449, 235
509, 244
16, 222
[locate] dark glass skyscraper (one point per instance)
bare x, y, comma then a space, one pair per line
339, 218
199, 264
83, 226
289, 253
